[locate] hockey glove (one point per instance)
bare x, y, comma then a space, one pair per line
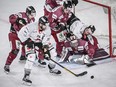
47, 55
46, 52
75, 2
60, 27
29, 43
39, 45
21, 22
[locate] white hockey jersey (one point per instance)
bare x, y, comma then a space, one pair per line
32, 31
77, 28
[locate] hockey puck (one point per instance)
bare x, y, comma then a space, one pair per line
92, 77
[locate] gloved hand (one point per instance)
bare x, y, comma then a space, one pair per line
29, 43
45, 48
21, 21
60, 27
75, 2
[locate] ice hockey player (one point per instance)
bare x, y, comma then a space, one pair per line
28, 16
87, 46
73, 46
50, 5
58, 19
17, 22
35, 36
94, 50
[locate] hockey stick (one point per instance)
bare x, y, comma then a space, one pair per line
73, 8
80, 74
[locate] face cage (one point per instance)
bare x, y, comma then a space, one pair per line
88, 31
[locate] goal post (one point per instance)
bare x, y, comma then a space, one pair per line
108, 8
108, 24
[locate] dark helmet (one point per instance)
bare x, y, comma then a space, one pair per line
67, 3
92, 27
30, 10
43, 20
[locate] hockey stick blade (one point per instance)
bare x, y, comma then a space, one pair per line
81, 74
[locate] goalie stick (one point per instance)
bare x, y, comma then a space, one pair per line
79, 74
73, 8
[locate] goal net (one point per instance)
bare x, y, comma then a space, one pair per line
101, 14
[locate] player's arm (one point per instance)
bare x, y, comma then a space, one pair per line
13, 18
23, 34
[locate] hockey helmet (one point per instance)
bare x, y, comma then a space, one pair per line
30, 10
67, 4
92, 27
43, 20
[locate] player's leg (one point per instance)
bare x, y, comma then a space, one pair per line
15, 43
58, 37
52, 66
31, 56
41, 57
39, 50
23, 56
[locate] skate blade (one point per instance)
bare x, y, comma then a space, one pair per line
6, 72
22, 61
42, 66
55, 74
90, 65
26, 83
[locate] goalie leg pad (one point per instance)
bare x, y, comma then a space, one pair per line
100, 53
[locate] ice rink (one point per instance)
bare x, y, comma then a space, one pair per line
104, 72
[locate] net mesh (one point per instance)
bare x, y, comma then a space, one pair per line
90, 13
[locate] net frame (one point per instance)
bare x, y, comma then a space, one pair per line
108, 8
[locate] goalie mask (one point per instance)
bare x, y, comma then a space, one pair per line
92, 27
89, 30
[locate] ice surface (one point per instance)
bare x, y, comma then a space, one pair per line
104, 72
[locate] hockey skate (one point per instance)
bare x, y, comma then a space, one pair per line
88, 62
26, 81
42, 63
53, 71
22, 58
6, 69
